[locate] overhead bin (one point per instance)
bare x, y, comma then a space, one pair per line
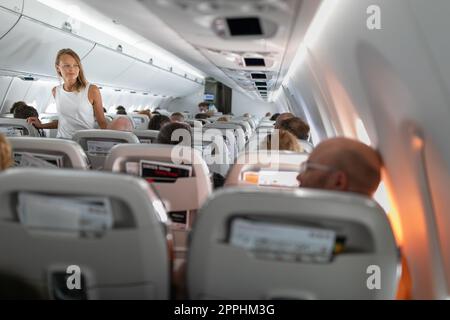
148, 78
103, 65
8, 19
13, 5
31, 47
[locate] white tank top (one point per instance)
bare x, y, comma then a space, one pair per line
75, 112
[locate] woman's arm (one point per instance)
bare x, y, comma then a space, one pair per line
95, 98
37, 123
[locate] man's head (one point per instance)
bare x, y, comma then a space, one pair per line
282, 117
177, 117
296, 126
203, 106
157, 121
174, 133
121, 123
24, 112
342, 164
17, 104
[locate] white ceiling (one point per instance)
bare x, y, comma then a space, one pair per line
184, 28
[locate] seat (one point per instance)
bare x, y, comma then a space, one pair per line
111, 227
194, 123
254, 243
140, 121
227, 128
146, 136
59, 152
17, 128
307, 146
266, 168
97, 143
178, 174
47, 118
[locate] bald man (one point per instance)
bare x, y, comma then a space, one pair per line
121, 123
342, 164
282, 117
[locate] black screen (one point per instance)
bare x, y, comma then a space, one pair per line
244, 26
254, 62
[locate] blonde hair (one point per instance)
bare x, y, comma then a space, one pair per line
81, 80
223, 119
5, 153
286, 141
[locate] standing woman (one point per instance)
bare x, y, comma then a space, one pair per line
78, 103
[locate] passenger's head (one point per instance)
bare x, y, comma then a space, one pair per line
201, 116
223, 119
5, 153
247, 115
177, 117
121, 123
268, 114
174, 133
68, 66
157, 121
282, 140
274, 117
282, 117
342, 164
203, 106
25, 112
147, 113
122, 112
16, 105
297, 127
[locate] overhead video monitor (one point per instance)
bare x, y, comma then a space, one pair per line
259, 76
154, 171
260, 84
254, 62
250, 26
283, 242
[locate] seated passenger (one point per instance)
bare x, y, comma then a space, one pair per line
16, 105
274, 117
247, 115
223, 119
121, 123
177, 117
147, 113
347, 165
342, 164
281, 140
268, 114
121, 110
282, 117
200, 116
157, 121
5, 153
25, 112
166, 136
203, 107
297, 127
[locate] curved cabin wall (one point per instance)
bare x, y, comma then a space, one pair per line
396, 81
31, 35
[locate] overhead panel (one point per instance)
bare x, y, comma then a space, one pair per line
13, 5
31, 47
8, 19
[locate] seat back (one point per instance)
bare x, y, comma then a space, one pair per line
97, 143
140, 121
253, 243
17, 128
266, 168
146, 136
110, 228
48, 152
226, 127
306, 146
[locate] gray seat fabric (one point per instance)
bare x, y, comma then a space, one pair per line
127, 260
221, 268
71, 152
17, 127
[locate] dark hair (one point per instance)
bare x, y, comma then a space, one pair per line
120, 111
201, 116
274, 117
165, 134
297, 127
18, 104
25, 112
157, 121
